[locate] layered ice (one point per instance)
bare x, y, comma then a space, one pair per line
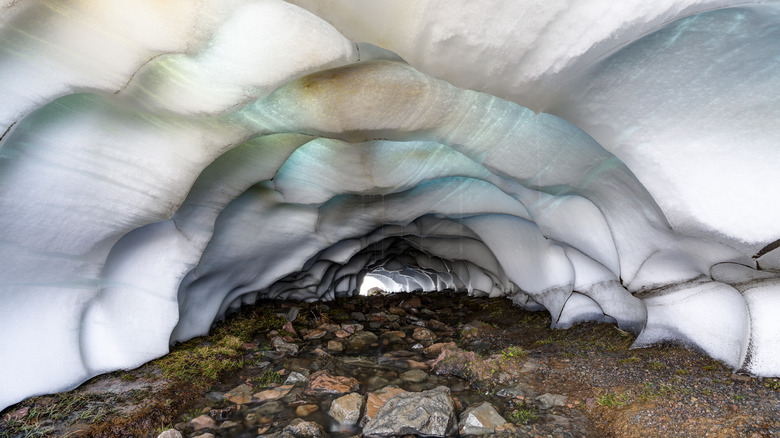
164, 163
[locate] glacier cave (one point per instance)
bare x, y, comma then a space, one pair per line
166, 162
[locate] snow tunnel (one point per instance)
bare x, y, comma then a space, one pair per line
165, 163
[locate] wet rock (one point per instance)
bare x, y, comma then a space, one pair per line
361, 340
269, 409
345, 410
220, 414
240, 395
322, 382
436, 349
480, 420
228, 424
330, 328
272, 394
423, 334
427, 413
411, 303
170, 433
414, 376
202, 422
315, 334
295, 378
284, 346
352, 328
302, 429
304, 410
375, 401
335, 346
437, 325
546, 401
396, 311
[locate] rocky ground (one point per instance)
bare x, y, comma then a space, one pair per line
439, 364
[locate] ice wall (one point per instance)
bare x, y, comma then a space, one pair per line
162, 164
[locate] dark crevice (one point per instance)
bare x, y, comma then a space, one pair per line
769, 248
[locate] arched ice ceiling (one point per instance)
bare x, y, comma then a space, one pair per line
163, 163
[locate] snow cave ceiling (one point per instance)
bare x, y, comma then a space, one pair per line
165, 162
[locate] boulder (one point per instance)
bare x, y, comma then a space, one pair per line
428, 413
345, 410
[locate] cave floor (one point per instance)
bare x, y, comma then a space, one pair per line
583, 381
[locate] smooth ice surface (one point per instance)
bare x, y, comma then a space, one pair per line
163, 163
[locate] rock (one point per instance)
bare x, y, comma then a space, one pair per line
295, 378
288, 327
330, 328
215, 396
423, 334
220, 414
454, 362
396, 311
397, 333
376, 400
203, 435
202, 422
269, 409
414, 376
352, 328
436, 349
228, 424
518, 390
411, 303
480, 420
345, 410
323, 383
361, 340
272, 394
475, 331
291, 315
240, 395
170, 433
335, 346
284, 346
437, 325
428, 413
548, 400
302, 429
304, 410
357, 316
341, 334
315, 334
